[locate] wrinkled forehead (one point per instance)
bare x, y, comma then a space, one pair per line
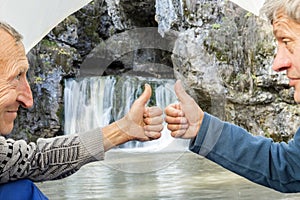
9, 46
283, 23
12, 52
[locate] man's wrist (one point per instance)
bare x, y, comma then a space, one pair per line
113, 136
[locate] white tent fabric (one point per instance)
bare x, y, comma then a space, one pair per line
35, 18
251, 5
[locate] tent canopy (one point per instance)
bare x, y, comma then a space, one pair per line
35, 18
251, 5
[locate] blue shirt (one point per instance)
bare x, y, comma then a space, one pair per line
257, 158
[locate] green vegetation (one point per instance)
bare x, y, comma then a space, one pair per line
216, 26
38, 80
48, 43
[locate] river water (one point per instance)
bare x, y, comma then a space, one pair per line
158, 170
170, 175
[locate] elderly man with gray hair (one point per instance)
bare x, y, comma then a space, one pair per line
58, 157
259, 159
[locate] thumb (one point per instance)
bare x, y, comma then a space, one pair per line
181, 93
145, 96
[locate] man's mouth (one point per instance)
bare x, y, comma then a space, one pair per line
12, 114
293, 81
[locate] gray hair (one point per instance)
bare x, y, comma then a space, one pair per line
290, 7
18, 37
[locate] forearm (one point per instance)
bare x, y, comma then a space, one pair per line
256, 158
49, 159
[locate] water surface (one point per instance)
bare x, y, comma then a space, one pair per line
158, 176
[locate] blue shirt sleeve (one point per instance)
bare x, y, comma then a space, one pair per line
257, 158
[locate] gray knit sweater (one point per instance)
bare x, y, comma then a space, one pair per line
51, 158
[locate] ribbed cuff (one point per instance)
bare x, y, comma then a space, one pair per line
92, 144
208, 135
195, 144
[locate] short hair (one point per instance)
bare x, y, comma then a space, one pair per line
13, 32
290, 7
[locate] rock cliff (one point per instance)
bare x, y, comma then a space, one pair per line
222, 53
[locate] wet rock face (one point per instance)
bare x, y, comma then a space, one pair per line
222, 53
60, 55
225, 62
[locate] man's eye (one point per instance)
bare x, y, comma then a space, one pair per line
285, 41
18, 76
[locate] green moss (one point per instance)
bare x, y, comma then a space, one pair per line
71, 20
248, 14
63, 52
216, 26
48, 43
38, 80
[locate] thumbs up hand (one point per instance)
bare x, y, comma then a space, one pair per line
184, 118
142, 123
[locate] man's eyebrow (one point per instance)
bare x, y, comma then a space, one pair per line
275, 31
278, 32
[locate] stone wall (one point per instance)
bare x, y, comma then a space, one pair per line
222, 53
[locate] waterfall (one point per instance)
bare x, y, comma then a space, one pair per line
87, 103
97, 101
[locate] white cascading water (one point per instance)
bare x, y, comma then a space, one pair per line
87, 103
91, 102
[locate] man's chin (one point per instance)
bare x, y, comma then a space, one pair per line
5, 131
297, 98
5, 134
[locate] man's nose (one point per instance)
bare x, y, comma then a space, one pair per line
25, 95
282, 61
